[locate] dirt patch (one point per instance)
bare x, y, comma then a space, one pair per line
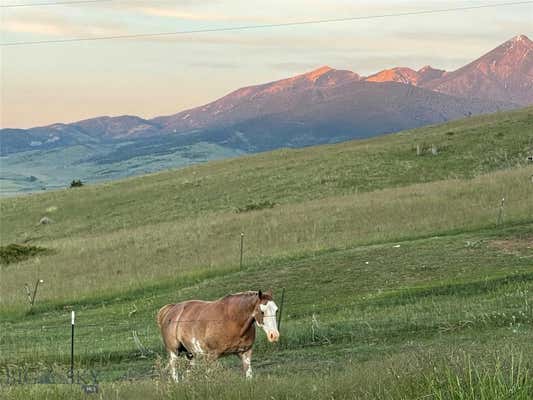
521, 246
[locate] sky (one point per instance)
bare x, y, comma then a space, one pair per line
152, 76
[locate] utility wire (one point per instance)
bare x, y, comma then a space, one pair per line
264, 26
59, 3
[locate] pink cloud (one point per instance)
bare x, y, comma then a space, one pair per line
48, 25
166, 12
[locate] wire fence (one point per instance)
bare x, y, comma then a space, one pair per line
132, 350
39, 353
295, 309
137, 338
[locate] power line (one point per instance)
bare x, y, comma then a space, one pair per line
264, 26
59, 3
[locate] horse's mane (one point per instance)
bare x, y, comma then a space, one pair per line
240, 294
249, 293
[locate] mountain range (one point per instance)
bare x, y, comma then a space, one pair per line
325, 105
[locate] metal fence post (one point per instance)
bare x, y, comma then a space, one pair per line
35, 291
500, 213
281, 308
71, 372
242, 244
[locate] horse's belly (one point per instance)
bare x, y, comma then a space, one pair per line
216, 347
236, 350
237, 346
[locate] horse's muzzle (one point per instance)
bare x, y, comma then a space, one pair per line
273, 336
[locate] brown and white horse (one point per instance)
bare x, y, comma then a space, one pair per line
213, 329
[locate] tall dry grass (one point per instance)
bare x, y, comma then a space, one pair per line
134, 257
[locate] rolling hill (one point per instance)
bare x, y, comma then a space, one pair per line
465, 148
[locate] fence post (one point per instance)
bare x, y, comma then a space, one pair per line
500, 214
242, 244
71, 372
35, 291
281, 308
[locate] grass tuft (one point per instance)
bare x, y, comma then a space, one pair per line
258, 205
13, 253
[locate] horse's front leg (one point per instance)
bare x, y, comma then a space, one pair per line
246, 359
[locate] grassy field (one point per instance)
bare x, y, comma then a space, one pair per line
404, 276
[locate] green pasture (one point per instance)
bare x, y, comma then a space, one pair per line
405, 275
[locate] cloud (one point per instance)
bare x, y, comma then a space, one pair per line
178, 14
36, 27
467, 39
58, 26
295, 66
214, 65
193, 15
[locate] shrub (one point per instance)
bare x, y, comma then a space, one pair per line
76, 183
13, 253
255, 206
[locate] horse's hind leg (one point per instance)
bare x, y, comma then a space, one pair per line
174, 360
173, 365
190, 358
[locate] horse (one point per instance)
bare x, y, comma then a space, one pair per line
213, 329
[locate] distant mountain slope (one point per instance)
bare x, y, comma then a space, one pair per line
255, 101
125, 126
42, 138
324, 105
407, 75
502, 77
504, 74
354, 110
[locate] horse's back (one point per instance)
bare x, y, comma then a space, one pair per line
173, 316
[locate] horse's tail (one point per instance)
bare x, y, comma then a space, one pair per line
162, 313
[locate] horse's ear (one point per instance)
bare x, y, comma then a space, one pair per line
260, 294
268, 293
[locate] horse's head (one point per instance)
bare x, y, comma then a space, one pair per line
265, 315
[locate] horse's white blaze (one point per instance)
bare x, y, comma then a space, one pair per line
270, 325
196, 346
